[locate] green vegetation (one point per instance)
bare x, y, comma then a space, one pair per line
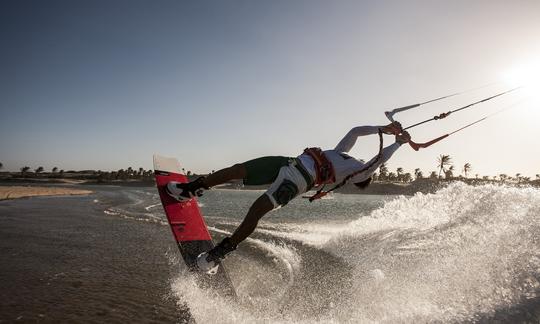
466, 169
24, 170
444, 171
445, 167
443, 161
128, 175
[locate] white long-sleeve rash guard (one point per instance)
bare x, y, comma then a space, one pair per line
344, 164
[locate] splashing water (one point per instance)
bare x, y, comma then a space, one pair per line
458, 255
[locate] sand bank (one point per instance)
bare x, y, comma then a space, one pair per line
12, 192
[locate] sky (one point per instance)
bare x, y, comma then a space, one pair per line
106, 84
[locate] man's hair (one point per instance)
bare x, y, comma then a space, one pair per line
363, 184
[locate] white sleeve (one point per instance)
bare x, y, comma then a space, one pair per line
347, 143
386, 155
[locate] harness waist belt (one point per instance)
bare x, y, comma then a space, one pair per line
305, 174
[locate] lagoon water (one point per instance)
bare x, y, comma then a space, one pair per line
462, 255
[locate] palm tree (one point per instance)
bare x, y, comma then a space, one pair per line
407, 177
443, 161
466, 169
399, 172
518, 177
416, 173
24, 170
383, 172
433, 175
1, 165
38, 170
419, 175
449, 174
141, 171
54, 169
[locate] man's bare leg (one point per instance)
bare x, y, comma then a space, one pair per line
186, 191
235, 172
260, 207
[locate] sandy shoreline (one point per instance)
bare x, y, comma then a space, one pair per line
13, 192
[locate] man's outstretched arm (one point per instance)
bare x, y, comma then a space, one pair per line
386, 154
347, 143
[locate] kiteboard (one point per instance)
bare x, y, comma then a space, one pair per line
188, 227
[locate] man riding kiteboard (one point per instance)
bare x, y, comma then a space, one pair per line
288, 178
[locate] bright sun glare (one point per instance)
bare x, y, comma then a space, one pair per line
526, 76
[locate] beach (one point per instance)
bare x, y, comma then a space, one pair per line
14, 192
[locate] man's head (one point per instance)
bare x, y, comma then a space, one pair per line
363, 184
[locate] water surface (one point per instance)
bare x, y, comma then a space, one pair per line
464, 254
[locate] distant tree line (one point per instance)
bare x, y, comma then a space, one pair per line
100, 176
124, 174
25, 171
445, 171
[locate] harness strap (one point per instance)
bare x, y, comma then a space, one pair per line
323, 166
305, 174
321, 193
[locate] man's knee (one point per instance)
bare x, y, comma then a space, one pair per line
286, 192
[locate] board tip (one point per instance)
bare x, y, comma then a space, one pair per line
166, 164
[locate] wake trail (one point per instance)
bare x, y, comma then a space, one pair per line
462, 254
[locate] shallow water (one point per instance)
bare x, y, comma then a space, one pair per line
464, 254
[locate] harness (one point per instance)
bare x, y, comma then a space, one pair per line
323, 166
321, 193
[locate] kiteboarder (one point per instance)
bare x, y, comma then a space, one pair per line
289, 177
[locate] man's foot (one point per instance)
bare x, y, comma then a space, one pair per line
209, 261
204, 265
186, 191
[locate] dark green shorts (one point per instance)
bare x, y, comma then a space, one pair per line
264, 170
